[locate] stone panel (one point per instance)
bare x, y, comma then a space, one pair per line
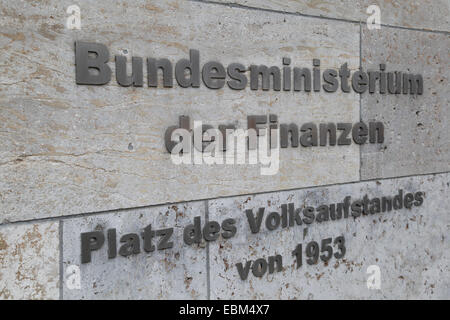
68, 149
29, 261
416, 126
176, 273
410, 246
424, 14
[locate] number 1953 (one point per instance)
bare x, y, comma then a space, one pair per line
325, 251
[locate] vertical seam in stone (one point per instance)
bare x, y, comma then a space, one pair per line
61, 269
360, 98
208, 278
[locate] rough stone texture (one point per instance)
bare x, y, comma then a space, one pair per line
29, 261
416, 127
177, 273
423, 14
68, 149
411, 247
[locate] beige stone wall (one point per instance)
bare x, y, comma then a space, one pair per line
77, 158
425, 14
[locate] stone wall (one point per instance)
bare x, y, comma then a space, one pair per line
76, 158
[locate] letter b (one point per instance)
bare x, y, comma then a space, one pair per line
85, 65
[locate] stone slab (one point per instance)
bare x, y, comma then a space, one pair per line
416, 127
68, 149
424, 14
176, 273
410, 246
29, 261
